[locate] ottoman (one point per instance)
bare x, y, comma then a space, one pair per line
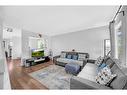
72, 68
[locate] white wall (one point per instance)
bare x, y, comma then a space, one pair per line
90, 41
16, 44
48, 44
1, 33
15, 37
33, 42
16, 47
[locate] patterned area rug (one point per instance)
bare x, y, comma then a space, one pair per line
53, 77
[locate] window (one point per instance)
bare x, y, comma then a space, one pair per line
107, 47
118, 36
118, 39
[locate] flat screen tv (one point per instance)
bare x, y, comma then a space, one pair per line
37, 53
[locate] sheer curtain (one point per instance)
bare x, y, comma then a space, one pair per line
118, 39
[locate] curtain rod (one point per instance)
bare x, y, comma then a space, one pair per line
117, 12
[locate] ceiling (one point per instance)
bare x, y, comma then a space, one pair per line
55, 20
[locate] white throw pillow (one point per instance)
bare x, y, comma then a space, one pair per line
99, 61
105, 76
81, 57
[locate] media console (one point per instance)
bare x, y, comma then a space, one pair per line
35, 61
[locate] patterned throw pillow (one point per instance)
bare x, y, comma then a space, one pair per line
105, 76
81, 57
99, 61
63, 55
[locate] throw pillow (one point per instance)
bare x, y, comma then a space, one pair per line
105, 76
81, 57
101, 66
69, 56
75, 57
99, 61
63, 55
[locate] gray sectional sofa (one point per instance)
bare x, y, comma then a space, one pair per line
85, 79
62, 61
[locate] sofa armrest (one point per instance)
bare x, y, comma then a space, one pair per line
55, 58
80, 83
84, 63
91, 61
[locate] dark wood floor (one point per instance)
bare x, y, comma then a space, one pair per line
19, 77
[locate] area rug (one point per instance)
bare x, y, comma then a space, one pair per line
53, 77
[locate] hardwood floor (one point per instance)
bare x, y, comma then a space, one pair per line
19, 77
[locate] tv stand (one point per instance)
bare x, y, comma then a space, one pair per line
40, 59
35, 61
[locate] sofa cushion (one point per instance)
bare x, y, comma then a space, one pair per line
81, 56
99, 61
77, 62
89, 72
120, 81
65, 60
63, 55
109, 62
114, 68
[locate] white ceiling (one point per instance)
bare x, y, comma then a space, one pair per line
54, 20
